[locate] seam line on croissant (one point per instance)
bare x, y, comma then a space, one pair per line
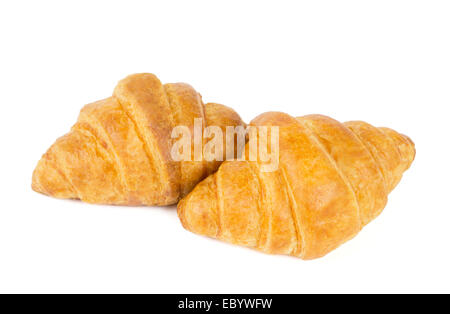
117, 163
52, 162
396, 171
177, 165
174, 119
144, 144
98, 148
374, 159
377, 154
101, 150
331, 159
293, 206
63, 170
262, 211
388, 132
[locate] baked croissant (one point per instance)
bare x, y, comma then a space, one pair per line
332, 180
118, 152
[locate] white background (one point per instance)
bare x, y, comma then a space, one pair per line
385, 62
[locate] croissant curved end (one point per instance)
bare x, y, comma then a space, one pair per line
48, 180
198, 211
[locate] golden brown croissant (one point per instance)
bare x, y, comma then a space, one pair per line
119, 150
332, 180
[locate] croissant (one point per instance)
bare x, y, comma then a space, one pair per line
333, 179
118, 152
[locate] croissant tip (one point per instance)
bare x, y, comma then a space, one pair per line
412, 149
181, 214
35, 182
35, 187
410, 141
197, 211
